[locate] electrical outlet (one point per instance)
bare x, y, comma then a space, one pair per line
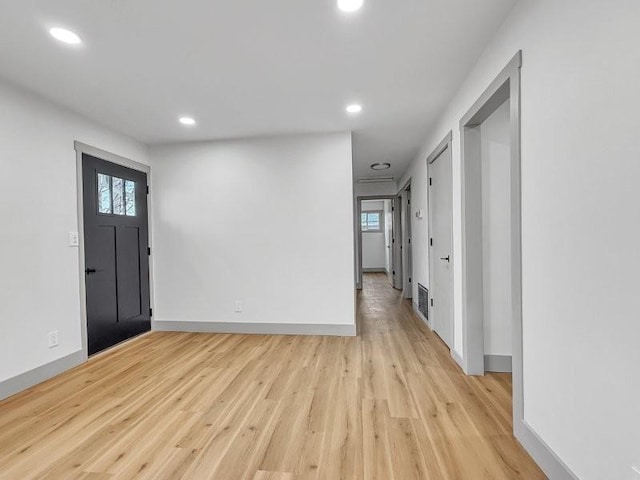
238, 306
74, 239
53, 339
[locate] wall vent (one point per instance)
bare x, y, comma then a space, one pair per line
423, 300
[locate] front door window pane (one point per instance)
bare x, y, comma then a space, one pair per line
104, 193
130, 197
118, 196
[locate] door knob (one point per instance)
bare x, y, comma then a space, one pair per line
89, 271
447, 258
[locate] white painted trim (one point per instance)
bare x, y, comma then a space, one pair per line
457, 358
498, 363
550, 463
40, 374
81, 148
339, 330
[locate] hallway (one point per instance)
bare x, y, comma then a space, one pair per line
389, 404
432, 420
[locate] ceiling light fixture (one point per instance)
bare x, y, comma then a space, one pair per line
380, 166
65, 36
188, 121
350, 5
355, 108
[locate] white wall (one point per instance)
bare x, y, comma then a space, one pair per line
495, 143
373, 189
581, 222
373, 243
265, 221
39, 279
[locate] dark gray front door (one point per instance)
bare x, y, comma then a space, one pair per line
116, 239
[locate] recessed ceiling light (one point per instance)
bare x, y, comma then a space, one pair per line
350, 5
187, 121
65, 36
355, 108
380, 166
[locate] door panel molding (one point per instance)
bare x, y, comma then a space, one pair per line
80, 149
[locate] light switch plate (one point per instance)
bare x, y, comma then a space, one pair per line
238, 306
54, 339
74, 239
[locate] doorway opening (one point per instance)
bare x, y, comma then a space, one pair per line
115, 248
491, 232
375, 231
376, 227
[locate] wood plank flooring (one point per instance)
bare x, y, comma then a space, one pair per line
389, 404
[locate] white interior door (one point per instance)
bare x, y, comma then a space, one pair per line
440, 246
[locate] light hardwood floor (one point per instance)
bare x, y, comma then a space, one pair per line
389, 404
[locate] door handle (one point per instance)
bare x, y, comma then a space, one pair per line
89, 271
447, 258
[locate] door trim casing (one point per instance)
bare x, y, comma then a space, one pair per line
446, 143
358, 234
505, 86
407, 236
82, 148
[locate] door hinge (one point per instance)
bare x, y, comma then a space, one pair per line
409, 241
430, 181
148, 250
409, 279
393, 240
431, 242
432, 302
408, 202
393, 273
151, 312
147, 189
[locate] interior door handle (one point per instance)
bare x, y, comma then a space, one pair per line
89, 271
447, 258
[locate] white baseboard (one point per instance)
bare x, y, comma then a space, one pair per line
457, 358
338, 330
498, 363
38, 375
547, 459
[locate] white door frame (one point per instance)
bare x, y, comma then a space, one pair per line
396, 243
506, 87
404, 207
358, 235
442, 147
81, 148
